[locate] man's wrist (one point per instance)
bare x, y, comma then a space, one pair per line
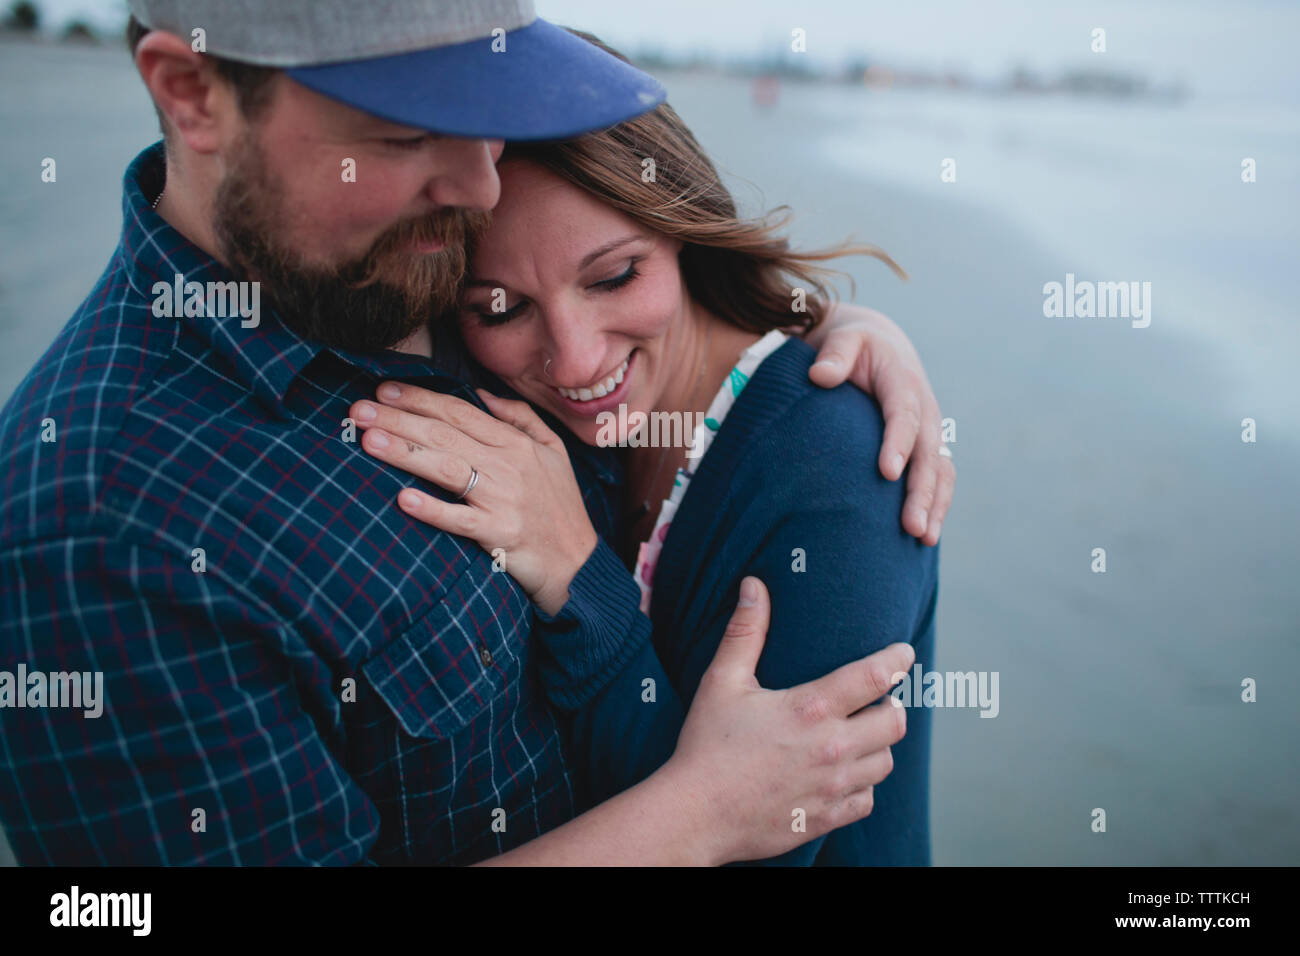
700, 823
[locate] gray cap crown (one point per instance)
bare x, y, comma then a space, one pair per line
288, 33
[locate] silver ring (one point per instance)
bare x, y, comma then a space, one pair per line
473, 480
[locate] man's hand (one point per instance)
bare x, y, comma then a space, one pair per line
867, 348
761, 760
750, 764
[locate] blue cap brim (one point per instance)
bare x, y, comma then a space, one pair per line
546, 84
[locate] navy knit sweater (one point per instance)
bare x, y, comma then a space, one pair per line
789, 492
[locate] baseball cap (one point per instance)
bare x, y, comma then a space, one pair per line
487, 69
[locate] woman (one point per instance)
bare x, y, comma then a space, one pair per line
601, 294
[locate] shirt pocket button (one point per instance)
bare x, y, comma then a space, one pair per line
485, 655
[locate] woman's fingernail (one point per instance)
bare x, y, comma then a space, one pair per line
748, 593
921, 518
898, 464
388, 391
409, 500
379, 440
833, 361
366, 412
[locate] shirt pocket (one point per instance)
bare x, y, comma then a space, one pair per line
442, 672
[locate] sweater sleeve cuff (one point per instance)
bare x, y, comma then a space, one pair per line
595, 634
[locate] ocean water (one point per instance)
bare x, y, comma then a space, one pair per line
1121, 690
1120, 190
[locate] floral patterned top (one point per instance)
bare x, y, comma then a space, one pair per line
750, 359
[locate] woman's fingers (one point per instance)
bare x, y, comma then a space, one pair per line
521, 416
446, 469
417, 429
453, 412
452, 518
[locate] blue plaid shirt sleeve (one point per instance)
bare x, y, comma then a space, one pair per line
206, 738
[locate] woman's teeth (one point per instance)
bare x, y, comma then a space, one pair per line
600, 390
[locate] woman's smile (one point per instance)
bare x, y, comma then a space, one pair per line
604, 395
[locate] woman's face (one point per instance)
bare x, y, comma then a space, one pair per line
559, 275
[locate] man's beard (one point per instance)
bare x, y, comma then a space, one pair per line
364, 305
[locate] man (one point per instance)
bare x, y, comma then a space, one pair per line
291, 670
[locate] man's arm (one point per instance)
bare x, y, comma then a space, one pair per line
201, 751
746, 760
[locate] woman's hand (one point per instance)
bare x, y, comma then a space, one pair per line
867, 348
525, 500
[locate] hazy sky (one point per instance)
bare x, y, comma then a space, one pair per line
1211, 44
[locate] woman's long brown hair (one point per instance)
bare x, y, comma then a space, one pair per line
741, 270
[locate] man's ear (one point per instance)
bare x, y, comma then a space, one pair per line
199, 108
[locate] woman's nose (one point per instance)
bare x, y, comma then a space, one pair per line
576, 352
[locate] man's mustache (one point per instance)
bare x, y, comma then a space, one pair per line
453, 227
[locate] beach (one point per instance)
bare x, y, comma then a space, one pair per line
1119, 691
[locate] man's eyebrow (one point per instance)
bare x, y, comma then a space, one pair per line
387, 129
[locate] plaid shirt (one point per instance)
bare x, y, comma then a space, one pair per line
326, 680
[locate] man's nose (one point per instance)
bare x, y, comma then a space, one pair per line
467, 173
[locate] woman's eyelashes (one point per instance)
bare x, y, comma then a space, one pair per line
604, 285
619, 280
500, 318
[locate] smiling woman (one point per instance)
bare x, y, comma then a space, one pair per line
631, 221
738, 269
